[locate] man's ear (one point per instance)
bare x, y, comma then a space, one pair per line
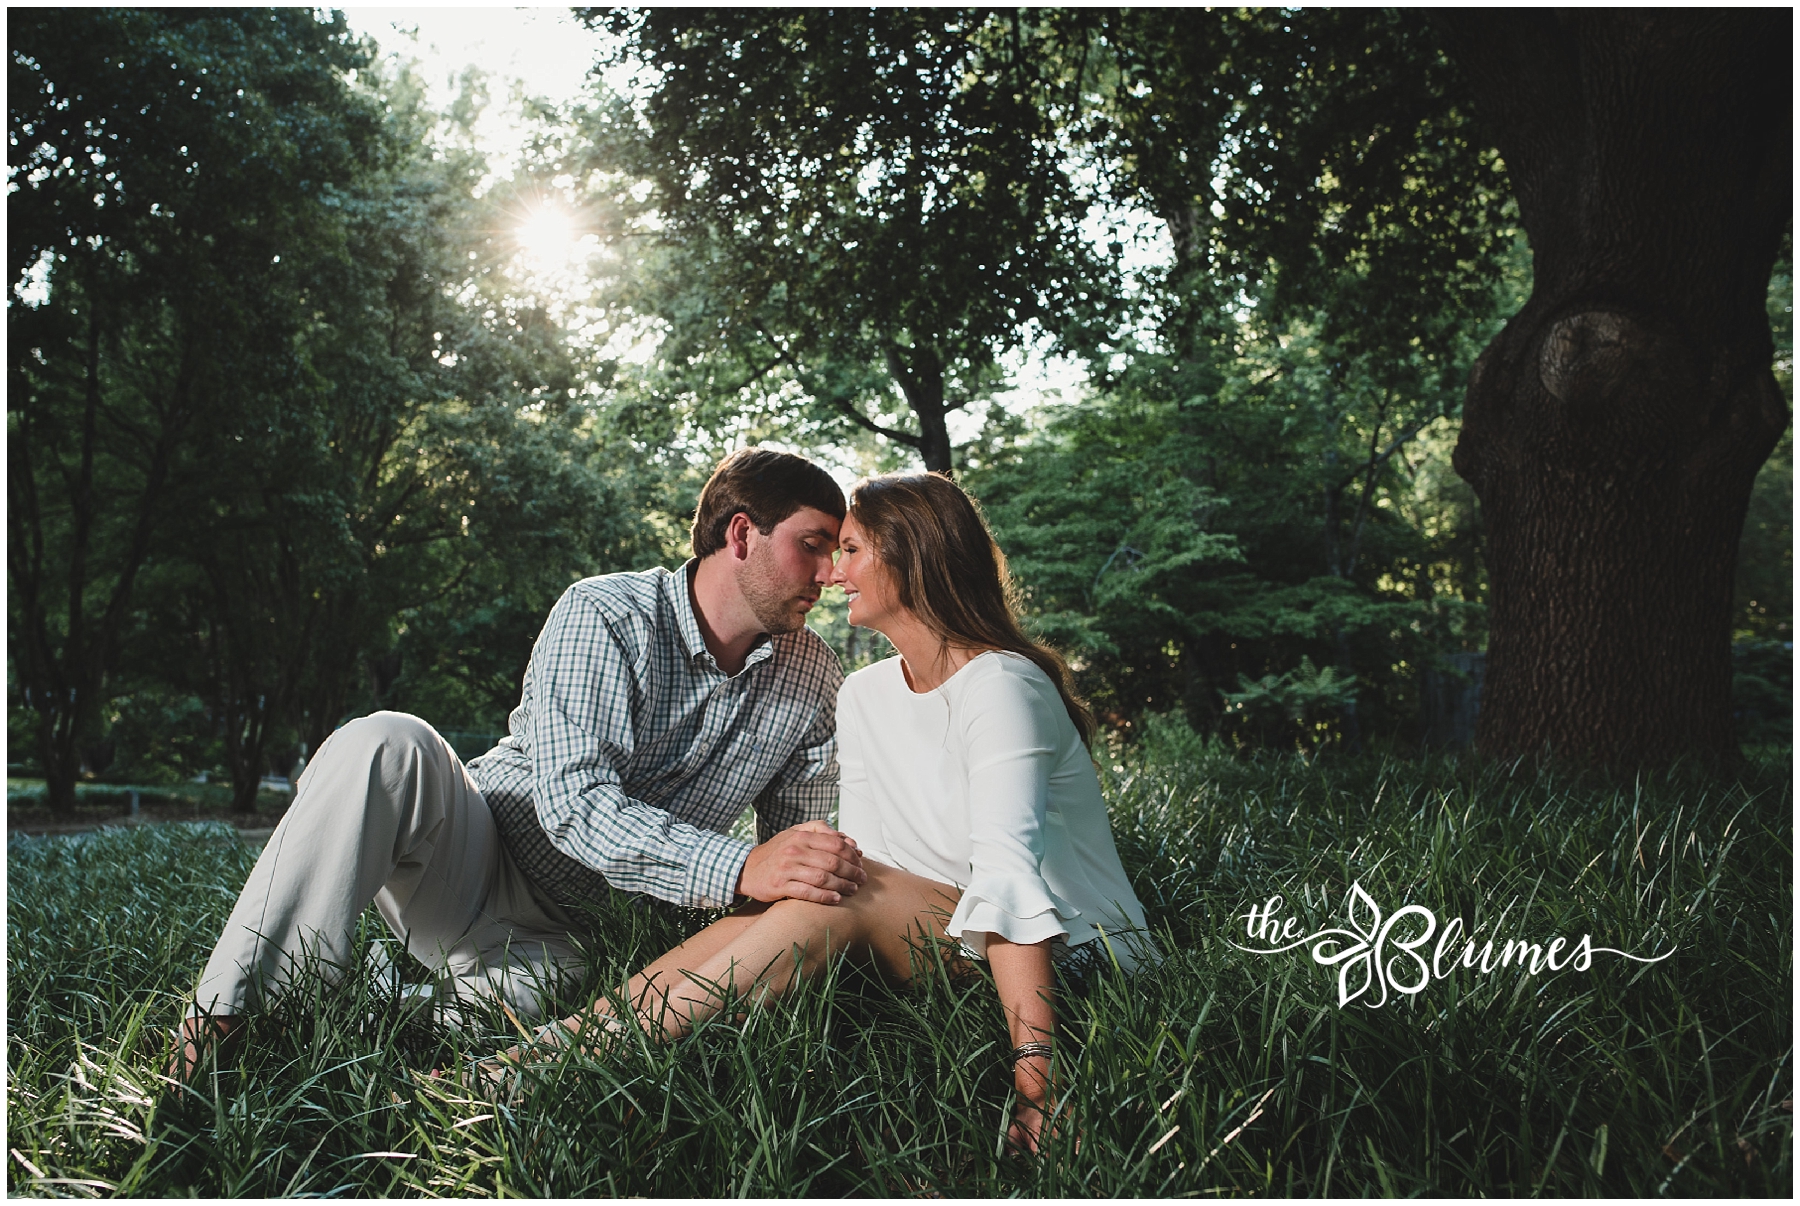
737, 536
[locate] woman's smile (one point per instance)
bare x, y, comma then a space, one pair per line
867, 583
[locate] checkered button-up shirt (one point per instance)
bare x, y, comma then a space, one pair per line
631, 753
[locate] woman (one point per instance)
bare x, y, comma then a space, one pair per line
968, 786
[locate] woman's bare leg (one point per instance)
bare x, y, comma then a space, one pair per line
887, 921
751, 952
669, 969
693, 953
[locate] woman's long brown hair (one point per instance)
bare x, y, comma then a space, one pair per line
949, 572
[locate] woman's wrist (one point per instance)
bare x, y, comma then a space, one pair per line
1033, 1049
1031, 1067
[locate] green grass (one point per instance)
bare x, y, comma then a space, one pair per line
1220, 1073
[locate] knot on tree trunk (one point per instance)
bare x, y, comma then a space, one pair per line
1587, 357
1614, 383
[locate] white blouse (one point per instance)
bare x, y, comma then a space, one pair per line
984, 784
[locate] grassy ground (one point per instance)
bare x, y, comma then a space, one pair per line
1221, 1073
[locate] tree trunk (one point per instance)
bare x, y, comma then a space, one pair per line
934, 442
245, 758
61, 763
1614, 428
63, 660
920, 376
246, 730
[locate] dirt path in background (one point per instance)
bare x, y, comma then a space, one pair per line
28, 821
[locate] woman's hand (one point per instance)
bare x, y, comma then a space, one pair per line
1031, 1080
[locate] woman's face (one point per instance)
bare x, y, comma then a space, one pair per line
874, 603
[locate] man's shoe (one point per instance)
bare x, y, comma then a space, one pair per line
217, 1033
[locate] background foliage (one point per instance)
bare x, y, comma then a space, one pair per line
293, 436
288, 443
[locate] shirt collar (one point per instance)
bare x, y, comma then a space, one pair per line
679, 587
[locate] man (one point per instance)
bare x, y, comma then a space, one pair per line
656, 705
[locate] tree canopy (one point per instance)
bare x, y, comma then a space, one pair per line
292, 433
868, 202
277, 415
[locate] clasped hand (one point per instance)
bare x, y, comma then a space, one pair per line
811, 861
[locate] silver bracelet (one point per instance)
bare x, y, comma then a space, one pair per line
1026, 1051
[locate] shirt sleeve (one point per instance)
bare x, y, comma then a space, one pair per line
1012, 740
806, 787
583, 726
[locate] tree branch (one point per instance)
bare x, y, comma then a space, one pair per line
849, 411
900, 437
1376, 460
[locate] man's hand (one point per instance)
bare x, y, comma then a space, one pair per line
808, 862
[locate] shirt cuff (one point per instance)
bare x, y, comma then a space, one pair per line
713, 870
1018, 908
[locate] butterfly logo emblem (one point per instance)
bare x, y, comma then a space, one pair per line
1370, 956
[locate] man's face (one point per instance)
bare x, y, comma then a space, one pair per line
784, 571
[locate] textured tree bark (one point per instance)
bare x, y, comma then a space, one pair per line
1614, 428
921, 379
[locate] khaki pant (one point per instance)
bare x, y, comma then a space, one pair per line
386, 812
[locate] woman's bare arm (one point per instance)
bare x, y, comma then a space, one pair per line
1023, 974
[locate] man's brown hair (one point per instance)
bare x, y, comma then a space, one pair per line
768, 487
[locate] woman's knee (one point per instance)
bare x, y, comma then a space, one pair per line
840, 923
802, 914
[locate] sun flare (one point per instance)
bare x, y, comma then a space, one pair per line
548, 235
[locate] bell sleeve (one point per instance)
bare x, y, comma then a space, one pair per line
1012, 742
